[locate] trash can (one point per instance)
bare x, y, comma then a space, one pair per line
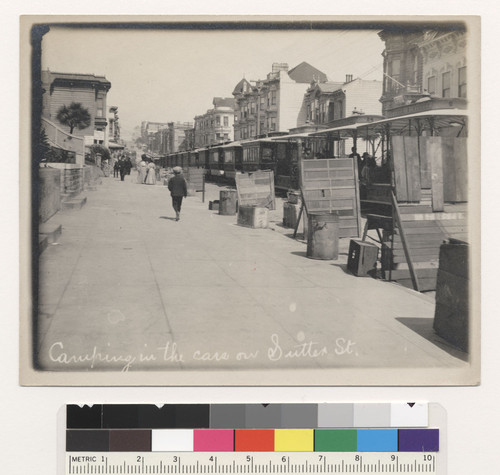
323, 235
227, 202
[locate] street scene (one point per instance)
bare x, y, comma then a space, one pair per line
304, 208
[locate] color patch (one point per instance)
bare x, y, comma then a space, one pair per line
260, 416
227, 416
254, 440
192, 416
213, 440
153, 417
406, 415
87, 440
85, 417
335, 415
372, 415
294, 440
377, 440
299, 416
418, 440
130, 441
342, 440
120, 416
172, 440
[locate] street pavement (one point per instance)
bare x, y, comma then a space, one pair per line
126, 287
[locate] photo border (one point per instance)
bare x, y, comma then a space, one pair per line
269, 377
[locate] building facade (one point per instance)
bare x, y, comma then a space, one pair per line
216, 125
330, 101
113, 134
274, 104
422, 66
62, 89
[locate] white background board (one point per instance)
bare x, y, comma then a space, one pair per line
28, 434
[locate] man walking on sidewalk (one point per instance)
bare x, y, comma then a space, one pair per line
178, 190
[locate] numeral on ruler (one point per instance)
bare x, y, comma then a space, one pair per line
252, 463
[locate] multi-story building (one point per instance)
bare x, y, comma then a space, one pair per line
216, 125
177, 135
113, 125
423, 67
274, 104
62, 89
329, 101
149, 135
188, 143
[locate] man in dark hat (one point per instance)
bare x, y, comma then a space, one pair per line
178, 190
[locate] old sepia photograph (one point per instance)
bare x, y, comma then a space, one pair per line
250, 201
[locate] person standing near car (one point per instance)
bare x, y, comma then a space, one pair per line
178, 190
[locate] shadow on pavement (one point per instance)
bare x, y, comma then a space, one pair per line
423, 326
167, 217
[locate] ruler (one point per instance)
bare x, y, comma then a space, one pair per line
250, 463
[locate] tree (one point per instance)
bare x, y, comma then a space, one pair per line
74, 116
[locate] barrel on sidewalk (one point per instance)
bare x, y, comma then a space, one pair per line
451, 317
227, 202
323, 235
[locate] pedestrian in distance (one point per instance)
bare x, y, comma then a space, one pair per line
116, 168
123, 169
151, 174
178, 190
141, 177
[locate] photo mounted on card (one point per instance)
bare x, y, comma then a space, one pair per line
250, 200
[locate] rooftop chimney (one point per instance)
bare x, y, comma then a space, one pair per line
348, 77
279, 67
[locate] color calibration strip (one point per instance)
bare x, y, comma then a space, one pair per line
247, 416
253, 440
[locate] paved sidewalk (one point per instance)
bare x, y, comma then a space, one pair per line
128, 288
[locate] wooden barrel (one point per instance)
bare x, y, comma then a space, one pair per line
323, 236
451, 318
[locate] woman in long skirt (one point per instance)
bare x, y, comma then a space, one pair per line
151, 176
142, 169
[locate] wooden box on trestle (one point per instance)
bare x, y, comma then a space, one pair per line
362, 260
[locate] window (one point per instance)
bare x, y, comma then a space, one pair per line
273, 98
226, 121
431, 85
462, 82
99, 108
226, 136
273, 123
217, 120
446, 84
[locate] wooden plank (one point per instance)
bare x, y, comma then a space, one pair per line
434, 151
449, 170
331, 185
412, 168
425, 273
398, 259
256, 189
398, 223
398, 156
425, 164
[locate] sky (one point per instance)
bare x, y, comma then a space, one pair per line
164, 76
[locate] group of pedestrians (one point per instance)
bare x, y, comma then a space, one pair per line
147, 173
122, 167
